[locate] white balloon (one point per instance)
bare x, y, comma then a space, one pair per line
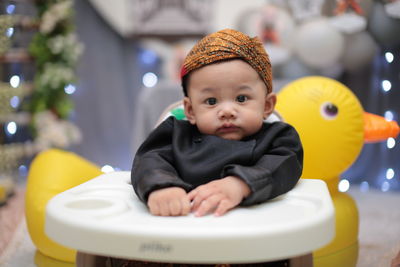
393, 9
252, 22
318, 44
359, 51
334, 71
277, 54
249, 22
282, 22
349, 23
293, 69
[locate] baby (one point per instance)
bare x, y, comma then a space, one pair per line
224, 154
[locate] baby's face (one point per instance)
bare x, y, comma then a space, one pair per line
228, 99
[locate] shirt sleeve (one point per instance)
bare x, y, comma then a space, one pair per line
153, 164
277, 168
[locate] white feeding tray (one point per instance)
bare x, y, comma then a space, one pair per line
104, 217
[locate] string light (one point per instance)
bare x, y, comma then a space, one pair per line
10, 32
386, 85
15, 81
389, 115
69, 89
149, 79
390, 142
389, 174
10, 9
107, 169
344, 185
23, 170
11, 128
148, 57
389, 57
14, 101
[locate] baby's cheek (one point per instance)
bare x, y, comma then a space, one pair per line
254, 124
205, 125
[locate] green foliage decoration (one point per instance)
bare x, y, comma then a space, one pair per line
56, 51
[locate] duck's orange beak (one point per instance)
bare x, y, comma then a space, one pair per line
377, 128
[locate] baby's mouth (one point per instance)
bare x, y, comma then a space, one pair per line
228, 128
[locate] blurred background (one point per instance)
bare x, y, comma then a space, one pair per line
93, 76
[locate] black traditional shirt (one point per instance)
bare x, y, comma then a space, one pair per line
177, 154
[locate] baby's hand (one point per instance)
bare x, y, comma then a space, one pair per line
171, 201
219, 195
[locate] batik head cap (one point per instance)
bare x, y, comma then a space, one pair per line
229, 44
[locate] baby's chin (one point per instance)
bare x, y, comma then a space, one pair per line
231, 136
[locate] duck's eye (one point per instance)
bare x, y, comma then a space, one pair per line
241, 98
329, 110
211, 101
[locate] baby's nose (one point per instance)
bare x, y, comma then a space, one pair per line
227, 111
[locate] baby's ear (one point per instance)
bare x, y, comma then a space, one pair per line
187, 104
270, 102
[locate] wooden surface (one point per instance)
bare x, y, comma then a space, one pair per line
11, 219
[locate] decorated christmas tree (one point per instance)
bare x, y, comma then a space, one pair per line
38, 54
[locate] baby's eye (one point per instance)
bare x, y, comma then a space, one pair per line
211, 101
241, 98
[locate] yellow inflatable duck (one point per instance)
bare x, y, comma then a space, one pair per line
333, 128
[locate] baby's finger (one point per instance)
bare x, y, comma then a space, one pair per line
164, 208
175, 208
192, 194
208, 205
185, 207
154, 209
202, 194
223, 207
198, 200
